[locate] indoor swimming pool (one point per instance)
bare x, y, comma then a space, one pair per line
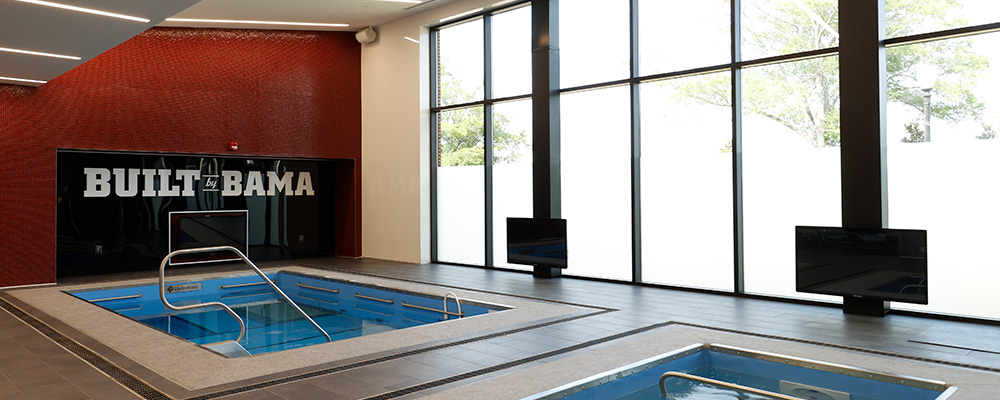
720, 372
342, 308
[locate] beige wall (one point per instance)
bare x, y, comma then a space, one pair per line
395, 137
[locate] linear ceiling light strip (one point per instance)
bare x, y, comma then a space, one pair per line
237, 21
36, 53
85, 10
6, 78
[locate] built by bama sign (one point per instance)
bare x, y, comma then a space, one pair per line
173, 183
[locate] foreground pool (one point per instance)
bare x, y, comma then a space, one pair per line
721, 372
344, 309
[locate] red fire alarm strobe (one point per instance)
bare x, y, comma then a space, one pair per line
233, 146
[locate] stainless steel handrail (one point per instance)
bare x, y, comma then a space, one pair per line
163, 297
134, 296
361, 296
681, 375
405, 304
239, 285
457, 302
337, 291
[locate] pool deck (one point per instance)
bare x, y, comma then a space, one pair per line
583, 328
185, 364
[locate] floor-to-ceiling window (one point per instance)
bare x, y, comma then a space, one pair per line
595, 182
595, 138
791, 165
687, 181
511, 172
511, 71
943, 117
461, 141
790, 134
686, 144
482, 147
688, 161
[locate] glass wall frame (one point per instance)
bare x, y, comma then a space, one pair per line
873, 197
494, 149
939, 182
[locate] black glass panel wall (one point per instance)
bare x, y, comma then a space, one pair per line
113, 208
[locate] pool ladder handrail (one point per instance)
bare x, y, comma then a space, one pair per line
163, 297
681, 375
457, 302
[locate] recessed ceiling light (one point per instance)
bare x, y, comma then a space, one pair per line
4, 78
36, 53
239, 21
85, 10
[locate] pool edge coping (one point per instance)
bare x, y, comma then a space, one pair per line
556, 310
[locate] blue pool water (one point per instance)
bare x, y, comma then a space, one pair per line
809, 380
342, 308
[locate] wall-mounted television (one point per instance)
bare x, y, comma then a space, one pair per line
195, 229
873, 264
540, 242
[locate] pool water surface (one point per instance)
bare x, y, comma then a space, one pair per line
716, 372
343, 309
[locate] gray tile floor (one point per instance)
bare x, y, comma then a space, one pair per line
35, 367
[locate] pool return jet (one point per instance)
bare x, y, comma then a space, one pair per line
229, 348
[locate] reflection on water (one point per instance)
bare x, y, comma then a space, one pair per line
680, 389
700, 391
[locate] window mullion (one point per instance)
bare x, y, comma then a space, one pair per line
736, 91
488, 135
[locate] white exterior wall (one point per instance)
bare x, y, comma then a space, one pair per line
395, 137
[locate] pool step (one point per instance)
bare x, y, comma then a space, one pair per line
229, 349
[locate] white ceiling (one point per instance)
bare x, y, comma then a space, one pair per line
357, 13
32, 27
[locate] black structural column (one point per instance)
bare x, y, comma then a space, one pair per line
862, 110
864, 201
545, 114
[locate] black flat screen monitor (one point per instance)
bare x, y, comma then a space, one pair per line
877, 264
194, 229
536, 241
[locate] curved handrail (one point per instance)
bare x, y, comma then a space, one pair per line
163, 297
163, 266
681, 375
457, 302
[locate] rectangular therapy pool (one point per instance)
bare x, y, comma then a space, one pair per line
343, 309
719, 372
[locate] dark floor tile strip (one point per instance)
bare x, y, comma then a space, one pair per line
390, 357
108, 368
510, 364
953, 347
845, 347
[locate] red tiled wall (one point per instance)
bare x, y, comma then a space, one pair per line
276, 93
